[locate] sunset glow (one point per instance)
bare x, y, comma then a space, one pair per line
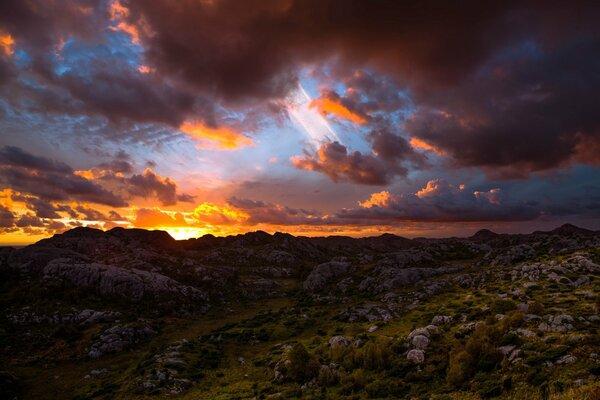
185, 118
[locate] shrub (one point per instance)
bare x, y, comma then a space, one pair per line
327, 377
302, 366
502, 306
373, 356
460, 367
383, 388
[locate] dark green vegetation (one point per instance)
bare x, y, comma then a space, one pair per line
122, 315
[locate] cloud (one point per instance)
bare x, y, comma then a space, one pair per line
7, 218
7, 44
29, 220
532, 111
154, 218
334, 160
43, 181
439, 201
223, 137
50, 180
391, 154
90, 214
423, 145
150, 184
43, 208
17, 157
236, 63
259, 212
380, 199
214, 214
331, 103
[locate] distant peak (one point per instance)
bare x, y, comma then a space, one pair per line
484, 234
570, 229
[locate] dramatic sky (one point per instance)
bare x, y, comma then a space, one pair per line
314, 117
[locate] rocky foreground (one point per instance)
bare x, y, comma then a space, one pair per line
135, 314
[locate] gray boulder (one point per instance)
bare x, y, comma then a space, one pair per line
322, 274
110, 280
416, 356
339, 341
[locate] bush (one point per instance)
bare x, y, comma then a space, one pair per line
386, 388
502, 306
302, 366
478, 354
460, 367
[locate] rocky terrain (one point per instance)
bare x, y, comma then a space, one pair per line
134, 314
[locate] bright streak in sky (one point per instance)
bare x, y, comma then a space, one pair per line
312, 122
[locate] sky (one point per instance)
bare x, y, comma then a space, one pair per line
313, 117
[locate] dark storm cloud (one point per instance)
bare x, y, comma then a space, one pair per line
42, 181
533, 111
17, 157
120, 92
29, 220
505, 108
440, 201
255, 49
508, 86
7, 218
150, 184
41, 24
49, 180
44, 208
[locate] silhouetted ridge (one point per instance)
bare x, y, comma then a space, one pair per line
566, 230
484, 235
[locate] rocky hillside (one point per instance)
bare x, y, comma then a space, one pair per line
134, 314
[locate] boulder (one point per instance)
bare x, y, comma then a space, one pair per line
416, 356
420, 342
109, 280
322, 274
339, 341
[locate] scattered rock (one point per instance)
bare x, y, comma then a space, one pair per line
416, 356
339, 341
441, 320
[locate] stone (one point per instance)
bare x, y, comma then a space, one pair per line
566, 359
416, 356
506, 350
372, 328
420, 342
441, 320
322, 274
418, 331
339, 341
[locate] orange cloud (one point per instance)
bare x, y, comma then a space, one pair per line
423, 145
144, 69
217, 215
326, 105
436, 187
118, 12
128, 28
7, 44
221, 138
157, 218
381, 199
